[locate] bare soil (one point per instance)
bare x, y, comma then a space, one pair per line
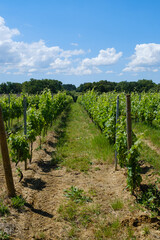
43, 189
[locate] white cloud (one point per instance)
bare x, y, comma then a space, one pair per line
5, 33
110, 71
104, 58
145, 58
60, 63
74, 44
70, 53
28, 58
120, 74
155, 70
23, 58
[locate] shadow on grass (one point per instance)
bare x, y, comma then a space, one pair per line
60, 129
47, 166
145, 169
39, 211
34, 183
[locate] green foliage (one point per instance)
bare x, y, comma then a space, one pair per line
150, 197
40, 236
107, 231
77, 195
117, 204
19, 148
3, 209
133, 178
35, 86
4, 235
18, 202
102, 109
68, 211
121, 142
146, 230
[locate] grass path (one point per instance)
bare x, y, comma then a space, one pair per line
83, 144
150, 151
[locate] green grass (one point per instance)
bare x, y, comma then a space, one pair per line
117, 204
152, 134
107, 231
4, 210
77, 195
150, 156
3, 235
81, 143
149, 132
18, 202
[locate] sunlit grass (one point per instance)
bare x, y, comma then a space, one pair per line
149, 132
82, 142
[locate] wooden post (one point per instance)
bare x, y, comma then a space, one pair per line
129, 125
6, 160
9, 101
25, 124
117, 117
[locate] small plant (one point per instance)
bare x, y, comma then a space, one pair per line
77, 195
130, 234
40, 236
3, 209
107, 231
4, 235
68, 211
117, 204
72, 233
146, 230
17, 202
92, 192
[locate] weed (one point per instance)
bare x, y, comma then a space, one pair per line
77, 195
92, 192
97, 169
130, 234
117, 204
4, 235
3, 209
68, 211
88, 214
146, 230
72, 233
17, 202
105, 231
39, 236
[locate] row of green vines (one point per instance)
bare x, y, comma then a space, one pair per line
102, 109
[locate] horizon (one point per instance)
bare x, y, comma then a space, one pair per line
79, 42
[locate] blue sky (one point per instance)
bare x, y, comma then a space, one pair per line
77, 41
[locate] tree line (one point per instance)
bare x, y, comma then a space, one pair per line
35, 86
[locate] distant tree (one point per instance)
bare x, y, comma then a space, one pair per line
37, 86
10, 87
85, 87
145, 85
69, 87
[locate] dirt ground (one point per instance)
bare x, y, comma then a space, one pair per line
43, 189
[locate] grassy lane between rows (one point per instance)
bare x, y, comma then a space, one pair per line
151, 134
82, 144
